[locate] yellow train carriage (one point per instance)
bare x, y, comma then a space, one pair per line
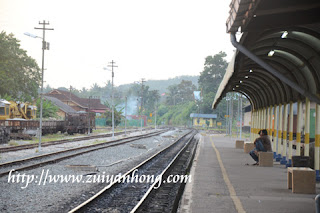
11, 109
31, 112
4, 109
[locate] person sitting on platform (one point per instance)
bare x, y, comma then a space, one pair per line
262, 144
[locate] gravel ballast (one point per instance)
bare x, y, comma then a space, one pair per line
61, 197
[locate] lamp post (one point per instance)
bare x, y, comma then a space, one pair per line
45, 46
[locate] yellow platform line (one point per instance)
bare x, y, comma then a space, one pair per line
232, 192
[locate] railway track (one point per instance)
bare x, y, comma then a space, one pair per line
50, 143
41, 160
131, 196
167, 197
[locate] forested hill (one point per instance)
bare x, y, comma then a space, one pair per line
162, 85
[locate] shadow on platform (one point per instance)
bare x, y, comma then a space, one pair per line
237, 186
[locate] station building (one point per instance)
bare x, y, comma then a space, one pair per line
203, 120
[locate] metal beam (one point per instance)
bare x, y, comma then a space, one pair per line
287, 9
270, 69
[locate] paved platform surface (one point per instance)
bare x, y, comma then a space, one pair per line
232, 186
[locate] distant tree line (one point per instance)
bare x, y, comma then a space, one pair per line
172, 99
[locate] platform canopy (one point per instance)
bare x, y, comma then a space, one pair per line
285, 34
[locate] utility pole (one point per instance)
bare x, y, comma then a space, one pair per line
155, 118
89, 116
240, 115
227, 116
125, 118
70, 95
112, 66
45, 46
231, 114
141, 110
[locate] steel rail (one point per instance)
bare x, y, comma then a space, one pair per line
116, 182
145, 196
94, 148
50, 143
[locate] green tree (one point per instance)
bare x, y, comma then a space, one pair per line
151, 99
19, 73
206, 103
117, 115
162, 109
180, 93
210, 79
214, 70
5, 97
64, 89
47, 89
185, 89
49, 110
176, 115
172, 94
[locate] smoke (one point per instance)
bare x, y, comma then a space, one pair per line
132, 106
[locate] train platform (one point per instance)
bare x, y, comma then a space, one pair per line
222, 182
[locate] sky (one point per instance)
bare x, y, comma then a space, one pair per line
148, 39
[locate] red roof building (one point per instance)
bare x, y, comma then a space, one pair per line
77, 103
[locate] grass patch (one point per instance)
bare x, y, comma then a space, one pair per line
33, 141
13, 143
98, 131
53, 137
48, 138
95, 142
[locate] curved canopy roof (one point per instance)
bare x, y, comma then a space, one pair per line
285, 35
